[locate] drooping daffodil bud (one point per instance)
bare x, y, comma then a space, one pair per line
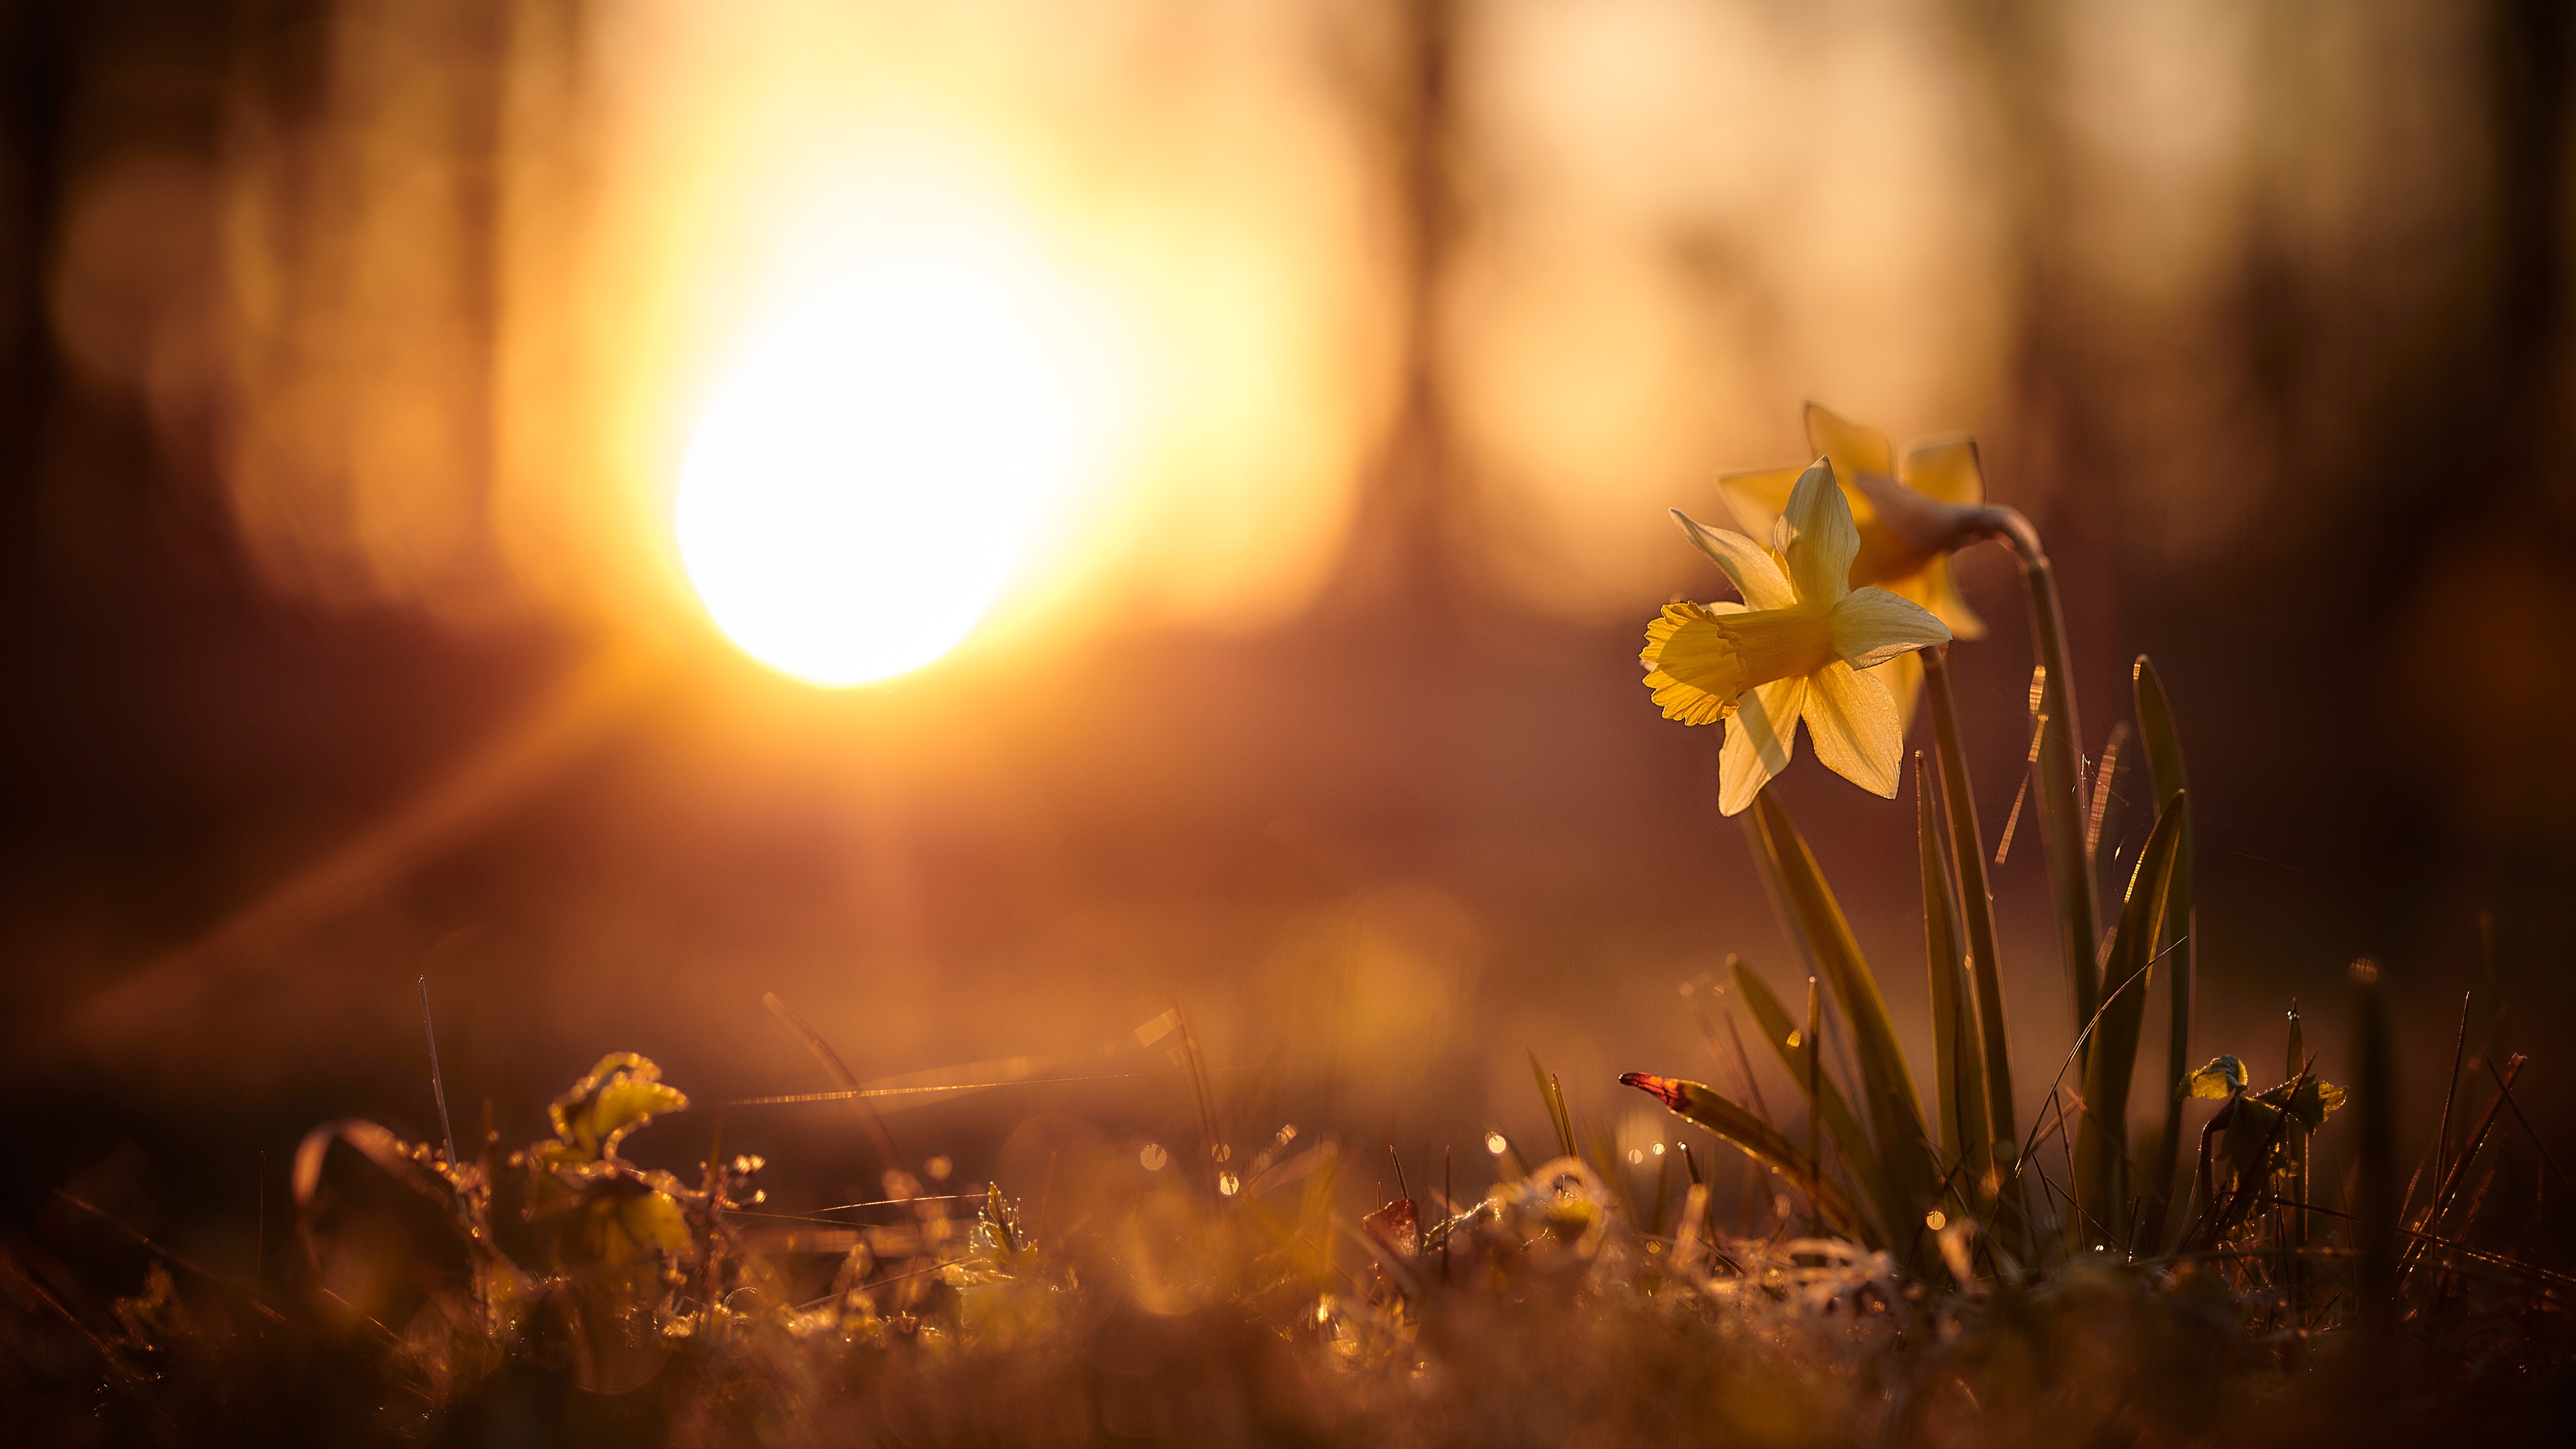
1912, 513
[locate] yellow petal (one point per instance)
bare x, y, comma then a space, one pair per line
1852, 720
1903, 676
1776, 643
1852, 446
1692, 665
1824, 538
1937, 589
1946, 469
1760, 738
1756, 571
1872, 626
1757, 499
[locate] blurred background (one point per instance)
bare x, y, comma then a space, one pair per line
361, 357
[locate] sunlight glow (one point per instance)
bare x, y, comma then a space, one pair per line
874, 468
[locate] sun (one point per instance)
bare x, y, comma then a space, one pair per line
870, 473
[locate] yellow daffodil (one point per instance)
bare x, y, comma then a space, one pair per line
1793, 650
1911, 513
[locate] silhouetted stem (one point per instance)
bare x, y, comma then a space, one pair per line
2061, 779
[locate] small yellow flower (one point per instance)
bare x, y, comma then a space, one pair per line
1911, 514
1793, 650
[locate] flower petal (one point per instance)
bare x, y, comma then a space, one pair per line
1760, 739
1776, 643
1691, 664
1946, 469
1872, 626
1903, 676
1756, 570
1937, 589
1855, 448
1825, 540
1852, 720
1757, 499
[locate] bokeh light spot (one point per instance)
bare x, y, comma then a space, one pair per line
867, 479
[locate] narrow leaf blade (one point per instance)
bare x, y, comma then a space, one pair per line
2163, 742
1760, 1141
1958, 1073
1887, 1087
2102, 1137
1976, 902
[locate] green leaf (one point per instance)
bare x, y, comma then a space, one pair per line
1552, 1093
2255, 1124
1764, 1144
2222, 1076
1976, 902
1905, 1151
621, 1094
2102, 1137
1958, 1064
623, 1229
2165, 766
1797, 1055
2312, 1103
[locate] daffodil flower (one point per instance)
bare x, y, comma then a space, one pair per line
1794, 649
1912, 514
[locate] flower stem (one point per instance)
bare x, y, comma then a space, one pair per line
1976, 903
2061, 775
1976, 909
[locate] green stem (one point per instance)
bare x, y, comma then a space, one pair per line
1977, 917
2061, 781
1976, 904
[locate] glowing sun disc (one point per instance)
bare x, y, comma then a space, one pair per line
863, 484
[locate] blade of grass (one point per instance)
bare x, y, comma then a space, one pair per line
1744, 1063
840, 1073
2296, 1149
2450, 1098
1763, 1143
1957, 1065
437, 1079
2102, 1138
2106, 774
2375, 1234
1976, 902
2470, 1147
1887, 1087
2169, 781
1798, 1055
1814, 1037
1552, 1093
2030, 767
